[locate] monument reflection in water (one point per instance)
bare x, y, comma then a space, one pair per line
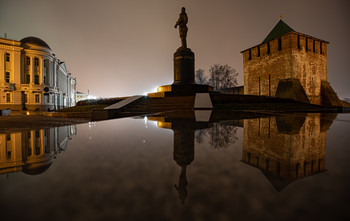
284, 147
33, 152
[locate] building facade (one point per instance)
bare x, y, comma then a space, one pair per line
285, 60
32, 78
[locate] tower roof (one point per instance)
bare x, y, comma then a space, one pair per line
281, 28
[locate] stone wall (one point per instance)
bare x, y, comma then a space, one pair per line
282, 58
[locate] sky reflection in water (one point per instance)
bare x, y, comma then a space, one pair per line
173, 167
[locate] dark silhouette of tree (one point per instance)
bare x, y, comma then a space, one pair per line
200, 77
221, 135
222, 76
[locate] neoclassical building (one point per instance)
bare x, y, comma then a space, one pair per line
32, 77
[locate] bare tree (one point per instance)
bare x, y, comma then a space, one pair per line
222, 76
220, 135
200, 77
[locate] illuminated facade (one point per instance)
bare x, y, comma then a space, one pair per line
32, 78
289, 64
32, 152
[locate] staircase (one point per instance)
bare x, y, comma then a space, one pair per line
151, 104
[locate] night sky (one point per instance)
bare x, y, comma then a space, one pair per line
125, 47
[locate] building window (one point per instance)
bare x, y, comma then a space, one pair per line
307, 44
279, 44
299, 42
27, 79
48, 98
28, 61
36, 61
258, 51
269, 85
321, 51
250, 55
313, 46
268, 48
36, 79
7, 77
267, 164
25, 98
37, 98
278, 168
8, 97
7, 55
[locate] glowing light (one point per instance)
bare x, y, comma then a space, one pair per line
91, 97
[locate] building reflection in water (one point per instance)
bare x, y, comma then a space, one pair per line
32, 152
286, 148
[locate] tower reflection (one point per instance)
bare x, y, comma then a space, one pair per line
32, 152
286, 148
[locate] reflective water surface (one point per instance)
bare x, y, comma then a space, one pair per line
180, 166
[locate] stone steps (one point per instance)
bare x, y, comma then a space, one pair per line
165, 103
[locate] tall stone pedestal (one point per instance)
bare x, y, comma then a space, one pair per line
183, 66
184, 83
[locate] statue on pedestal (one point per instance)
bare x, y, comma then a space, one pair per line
181, 22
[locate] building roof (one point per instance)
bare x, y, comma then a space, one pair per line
280, 29
34, 41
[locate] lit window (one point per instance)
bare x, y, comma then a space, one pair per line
37, 98
7, 77
7, 57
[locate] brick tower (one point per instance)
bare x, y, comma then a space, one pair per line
289, 64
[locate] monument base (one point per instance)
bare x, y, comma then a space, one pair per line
175, 90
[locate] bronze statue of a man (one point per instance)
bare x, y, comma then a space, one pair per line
181, 22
